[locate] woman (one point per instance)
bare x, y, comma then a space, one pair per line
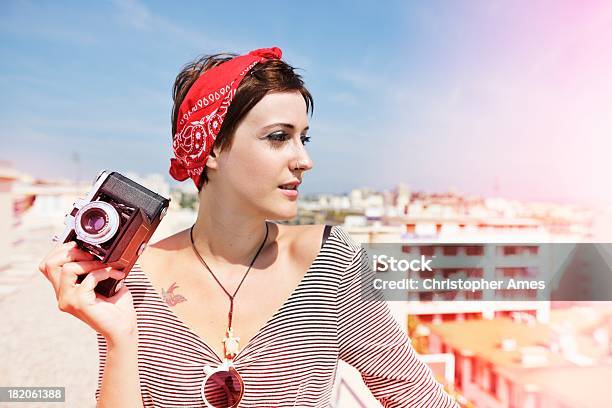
237, 310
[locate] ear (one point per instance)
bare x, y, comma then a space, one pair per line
212, 162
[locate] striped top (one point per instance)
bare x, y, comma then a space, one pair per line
292, 360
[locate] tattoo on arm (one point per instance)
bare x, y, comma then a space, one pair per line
170, 298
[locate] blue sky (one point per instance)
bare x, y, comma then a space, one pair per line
437, 95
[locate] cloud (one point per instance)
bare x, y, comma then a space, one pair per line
134, 14
137, 16
362, 80
123, 126
344, 98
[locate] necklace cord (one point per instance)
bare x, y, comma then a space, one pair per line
231, 297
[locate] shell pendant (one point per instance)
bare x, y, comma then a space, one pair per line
231, 344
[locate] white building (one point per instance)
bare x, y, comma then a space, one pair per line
7, 219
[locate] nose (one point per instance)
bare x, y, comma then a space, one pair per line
302, 158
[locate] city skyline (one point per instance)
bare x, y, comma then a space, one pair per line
486, 98
165, 185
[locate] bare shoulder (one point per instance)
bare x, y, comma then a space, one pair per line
158, 254
304, 241
174, 242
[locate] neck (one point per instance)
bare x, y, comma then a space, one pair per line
225, 235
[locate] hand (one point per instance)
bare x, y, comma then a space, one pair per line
114, 317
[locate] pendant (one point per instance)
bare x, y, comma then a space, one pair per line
231, 344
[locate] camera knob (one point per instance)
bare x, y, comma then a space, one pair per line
99, 175
143, 246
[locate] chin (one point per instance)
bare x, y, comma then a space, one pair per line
283, 214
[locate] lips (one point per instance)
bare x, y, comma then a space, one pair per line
292, 185
290, 189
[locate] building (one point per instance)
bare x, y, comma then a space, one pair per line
8, 176
470, 238
515, 362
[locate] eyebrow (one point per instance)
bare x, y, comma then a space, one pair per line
285, 125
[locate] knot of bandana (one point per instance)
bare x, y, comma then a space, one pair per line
203, 110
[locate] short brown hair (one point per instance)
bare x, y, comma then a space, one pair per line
269, 76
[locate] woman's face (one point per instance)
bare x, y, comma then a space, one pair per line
266, 146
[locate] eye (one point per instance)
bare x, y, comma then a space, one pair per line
278, 136
305, 139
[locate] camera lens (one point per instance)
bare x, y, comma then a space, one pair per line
96, 222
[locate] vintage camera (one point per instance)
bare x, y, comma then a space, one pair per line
114, 222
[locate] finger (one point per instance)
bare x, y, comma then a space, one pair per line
79, 268
70, 253
46, 265
74, 253
67, 281
71, 271
92, 279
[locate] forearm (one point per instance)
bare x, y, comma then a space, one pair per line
120, 382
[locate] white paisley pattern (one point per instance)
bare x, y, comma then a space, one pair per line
193, 144
202, 112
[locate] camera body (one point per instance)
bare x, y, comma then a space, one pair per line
114, 222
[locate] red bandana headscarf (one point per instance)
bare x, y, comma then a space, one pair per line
203, 110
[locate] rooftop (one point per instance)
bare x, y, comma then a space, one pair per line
483, 338
573, 386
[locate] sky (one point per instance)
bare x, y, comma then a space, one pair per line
492, 98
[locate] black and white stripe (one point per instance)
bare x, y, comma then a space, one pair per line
292, 360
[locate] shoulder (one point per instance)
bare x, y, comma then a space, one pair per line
306, 240
160, 252
300, 235
302, 242
344, 239
174, 242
